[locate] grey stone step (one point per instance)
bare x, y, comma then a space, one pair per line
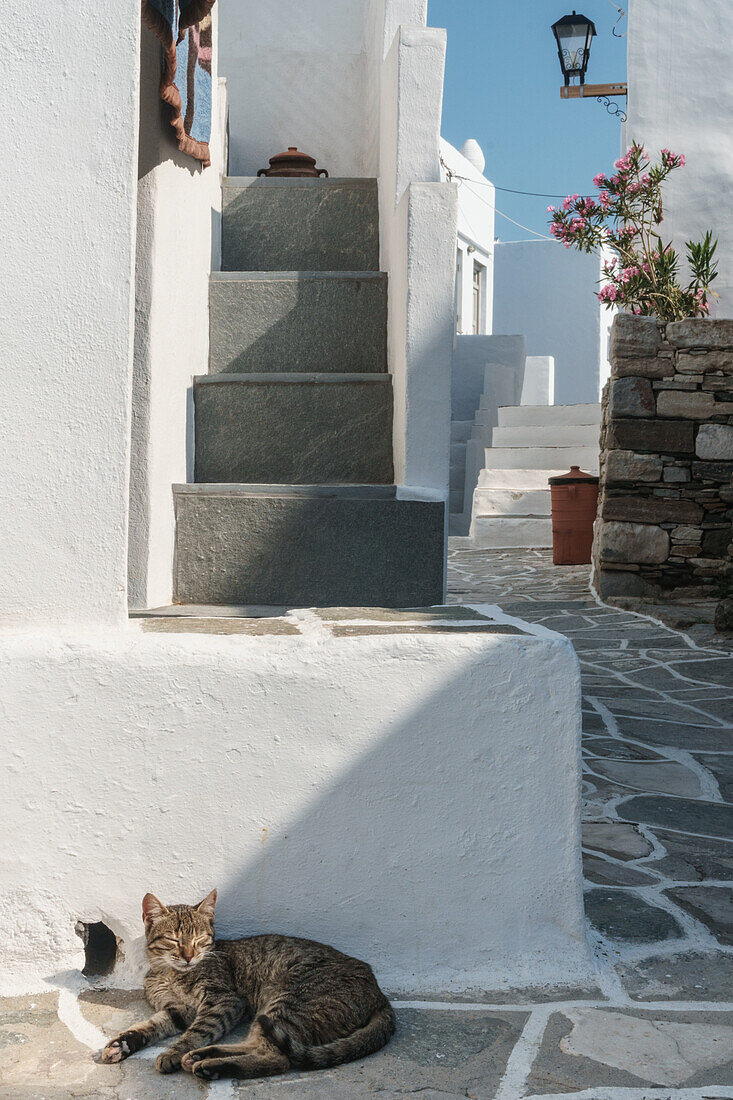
300, 224
294, 428
307, 546
458, 454
298, 321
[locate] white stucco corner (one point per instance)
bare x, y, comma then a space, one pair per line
413, 799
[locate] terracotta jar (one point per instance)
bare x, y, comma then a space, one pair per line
574, 507
293, 164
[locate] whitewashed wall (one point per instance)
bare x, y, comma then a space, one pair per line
681, 98
548, 293
299, 74
69, 89
178, 242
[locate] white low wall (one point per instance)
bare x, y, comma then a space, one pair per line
413, 799
550, 294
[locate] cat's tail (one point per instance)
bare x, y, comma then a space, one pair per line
367, 1040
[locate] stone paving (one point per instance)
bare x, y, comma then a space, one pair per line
658, 858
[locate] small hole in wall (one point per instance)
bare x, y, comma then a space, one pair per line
100, 948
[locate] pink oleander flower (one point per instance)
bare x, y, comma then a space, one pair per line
623, 218
550, 209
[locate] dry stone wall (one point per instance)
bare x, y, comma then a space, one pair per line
666, 503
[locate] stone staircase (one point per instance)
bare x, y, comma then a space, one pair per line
511, 503
294, 501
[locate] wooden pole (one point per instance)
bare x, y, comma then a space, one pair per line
590, 91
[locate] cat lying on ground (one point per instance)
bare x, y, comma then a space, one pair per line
311, 1007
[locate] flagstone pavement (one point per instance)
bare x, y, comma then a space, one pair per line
658, 860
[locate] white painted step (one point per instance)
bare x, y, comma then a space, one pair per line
491, 533
517, 479
536, 415
512, 502
547, 435
537, 458
458, 453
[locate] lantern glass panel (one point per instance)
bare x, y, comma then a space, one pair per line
574, 36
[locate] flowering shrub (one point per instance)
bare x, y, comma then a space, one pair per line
643, 276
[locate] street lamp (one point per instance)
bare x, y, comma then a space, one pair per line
574, 34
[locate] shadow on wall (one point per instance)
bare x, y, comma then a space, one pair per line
439, 841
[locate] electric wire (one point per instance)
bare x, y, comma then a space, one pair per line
464, 180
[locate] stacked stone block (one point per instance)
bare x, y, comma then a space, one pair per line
665, 522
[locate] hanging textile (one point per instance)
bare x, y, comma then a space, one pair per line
183, 27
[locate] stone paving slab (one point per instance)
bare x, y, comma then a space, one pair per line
621, 1048
693, 859
621, 915
446, 1053
712, 905
685, 976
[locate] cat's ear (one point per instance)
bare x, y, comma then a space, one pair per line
206, 907
152, 909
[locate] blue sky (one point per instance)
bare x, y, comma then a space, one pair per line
502, 88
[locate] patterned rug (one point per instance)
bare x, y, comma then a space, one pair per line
183, 28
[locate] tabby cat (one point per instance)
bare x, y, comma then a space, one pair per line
311, 1007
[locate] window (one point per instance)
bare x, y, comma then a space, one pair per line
478, 298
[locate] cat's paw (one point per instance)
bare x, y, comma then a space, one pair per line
210, 1069
193, 1056
114, 1052
168, 1062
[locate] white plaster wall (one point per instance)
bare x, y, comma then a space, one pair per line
681, 97
418, 226
179, 223
298, 73
548, 293
476, 221
412, 799
69, 88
